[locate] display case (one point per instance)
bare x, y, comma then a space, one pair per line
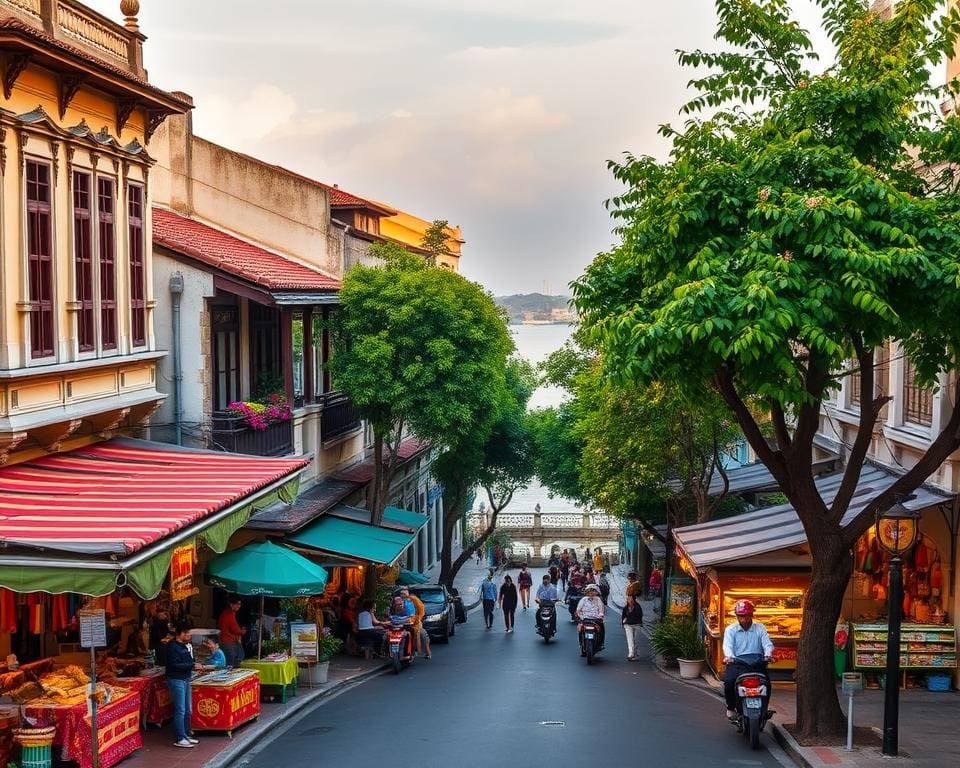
922, 646
779, 607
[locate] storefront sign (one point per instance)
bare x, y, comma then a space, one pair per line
93, 628
681, 597
181, 572
303, 640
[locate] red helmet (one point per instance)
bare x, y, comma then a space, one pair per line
743, 608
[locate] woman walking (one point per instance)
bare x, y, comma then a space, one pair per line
632, 621
525, 583
508, 602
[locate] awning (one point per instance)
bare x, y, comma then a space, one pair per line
89, 519
347, 532
754, 478
309, 505
767, 530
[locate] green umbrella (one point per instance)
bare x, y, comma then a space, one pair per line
262, 568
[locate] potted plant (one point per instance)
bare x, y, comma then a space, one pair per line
316, 674
678, 639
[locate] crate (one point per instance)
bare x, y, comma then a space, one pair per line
938, 683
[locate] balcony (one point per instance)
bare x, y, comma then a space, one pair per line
233, 435
338, 417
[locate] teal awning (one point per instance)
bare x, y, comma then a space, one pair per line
263, 568
412, 520
357, 540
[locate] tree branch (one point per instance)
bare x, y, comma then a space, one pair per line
779, 419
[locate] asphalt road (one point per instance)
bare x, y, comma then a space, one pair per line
493, 700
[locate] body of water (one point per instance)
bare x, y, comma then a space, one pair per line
535, 343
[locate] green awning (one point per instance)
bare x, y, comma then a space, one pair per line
359, 541
412, 520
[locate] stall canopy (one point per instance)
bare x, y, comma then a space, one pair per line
346, 531
112, 513
263, 568
776, 528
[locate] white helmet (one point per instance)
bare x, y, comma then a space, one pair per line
592, 588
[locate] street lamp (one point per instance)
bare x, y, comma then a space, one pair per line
897, 531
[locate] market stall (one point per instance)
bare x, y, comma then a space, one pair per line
281, 672
156, 707
224, 700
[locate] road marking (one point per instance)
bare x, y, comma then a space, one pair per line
559, 723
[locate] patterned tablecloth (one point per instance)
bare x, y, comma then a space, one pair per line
156, 706
118, 730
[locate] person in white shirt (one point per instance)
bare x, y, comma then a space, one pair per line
547, 591
744, 637
592, 607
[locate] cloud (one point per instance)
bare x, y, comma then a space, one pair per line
247, 119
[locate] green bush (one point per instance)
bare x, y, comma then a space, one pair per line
678, 637
327, 647
275, 645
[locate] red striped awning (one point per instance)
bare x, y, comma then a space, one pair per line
123, 495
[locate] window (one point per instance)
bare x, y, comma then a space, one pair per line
40, 259
881, 371
83, 261
138, 278
265, 352
226, 356
917, 400
108, 265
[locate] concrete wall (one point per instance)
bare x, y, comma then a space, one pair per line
194, 346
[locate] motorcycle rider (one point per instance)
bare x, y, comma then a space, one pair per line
742, 637
592, 607
546, 591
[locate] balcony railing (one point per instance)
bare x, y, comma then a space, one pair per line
338, 416
233, 435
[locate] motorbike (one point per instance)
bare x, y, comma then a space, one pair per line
573, 600
604, 587
547, 620
591, 638
753, 697
400, 644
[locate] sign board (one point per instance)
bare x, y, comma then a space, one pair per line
433, 493
93, 628
181, 573
852, 682
304, 640
681, 597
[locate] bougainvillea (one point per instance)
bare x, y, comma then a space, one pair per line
260, 415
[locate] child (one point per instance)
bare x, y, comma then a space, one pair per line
218, 659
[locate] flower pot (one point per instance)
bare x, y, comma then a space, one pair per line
690, 669
314, 674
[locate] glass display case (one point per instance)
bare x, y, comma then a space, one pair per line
779, 610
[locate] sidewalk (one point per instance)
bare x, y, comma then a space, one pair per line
468, 580
217, 750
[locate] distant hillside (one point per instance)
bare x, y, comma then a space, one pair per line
537, 308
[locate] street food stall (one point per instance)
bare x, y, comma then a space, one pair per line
225, 699
764, 556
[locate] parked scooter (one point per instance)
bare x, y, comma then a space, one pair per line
753, 697
591, 638
547, 620
400, 644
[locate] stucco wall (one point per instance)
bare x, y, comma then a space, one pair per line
194, 345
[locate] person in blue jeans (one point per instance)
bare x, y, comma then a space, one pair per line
180, 666
489, 593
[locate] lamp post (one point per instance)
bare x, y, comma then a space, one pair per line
897, 531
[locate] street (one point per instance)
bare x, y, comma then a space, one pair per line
496, 699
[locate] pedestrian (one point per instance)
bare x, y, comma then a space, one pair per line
655, 582
231, 633
180, 666
598, 561
525, 583
632, 621
420, 634
564, 572
479, 555
633, 585
488, 591
508, 602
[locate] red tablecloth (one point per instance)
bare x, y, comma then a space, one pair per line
156, 707
118, 730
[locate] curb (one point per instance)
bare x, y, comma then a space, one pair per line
789, 745
255, 741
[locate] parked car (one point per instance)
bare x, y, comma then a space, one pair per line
440, 616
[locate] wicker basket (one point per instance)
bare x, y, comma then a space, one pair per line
35, 737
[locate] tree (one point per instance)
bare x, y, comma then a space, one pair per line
435, 241
772, 247
500, 459
414, 343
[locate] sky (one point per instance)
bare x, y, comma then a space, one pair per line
496, 115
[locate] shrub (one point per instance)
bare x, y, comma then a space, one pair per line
327, 646
678, 637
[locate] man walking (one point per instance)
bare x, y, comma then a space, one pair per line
231, 633
488, 591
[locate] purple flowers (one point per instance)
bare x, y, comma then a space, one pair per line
273, 409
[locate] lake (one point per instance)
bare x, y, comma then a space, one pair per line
535, 343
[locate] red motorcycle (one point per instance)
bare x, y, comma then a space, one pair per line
400, 644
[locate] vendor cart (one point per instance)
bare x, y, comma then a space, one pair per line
226, 699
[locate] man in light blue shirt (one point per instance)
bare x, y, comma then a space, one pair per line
488, 591
744, 637
547, 590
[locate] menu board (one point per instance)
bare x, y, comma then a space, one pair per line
303, 640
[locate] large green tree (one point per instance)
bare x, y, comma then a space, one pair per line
420, 350
773, 246
498, 458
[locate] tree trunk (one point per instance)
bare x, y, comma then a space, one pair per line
818, 707
452, 514
469, 551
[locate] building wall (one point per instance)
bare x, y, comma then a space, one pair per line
407, 229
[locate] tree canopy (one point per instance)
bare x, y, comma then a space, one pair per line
776, 244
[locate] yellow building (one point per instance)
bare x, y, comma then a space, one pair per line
77, 352
408, 230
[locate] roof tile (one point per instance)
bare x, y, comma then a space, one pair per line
235, 256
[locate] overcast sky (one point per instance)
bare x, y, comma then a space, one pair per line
497, 115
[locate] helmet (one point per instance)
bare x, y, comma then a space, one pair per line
592, 588
631, 572
743, 608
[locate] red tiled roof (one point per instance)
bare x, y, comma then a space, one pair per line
235, 256
23, 29
363, 471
